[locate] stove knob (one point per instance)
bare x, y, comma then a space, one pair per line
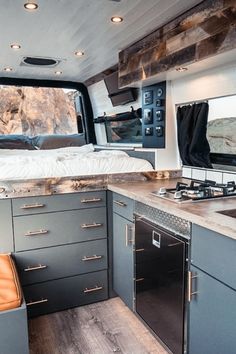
162, 190
178, 195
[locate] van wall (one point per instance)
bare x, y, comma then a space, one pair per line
212, 83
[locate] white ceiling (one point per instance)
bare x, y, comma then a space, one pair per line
60, 27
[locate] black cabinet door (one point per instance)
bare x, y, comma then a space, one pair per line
212, 316
123, 261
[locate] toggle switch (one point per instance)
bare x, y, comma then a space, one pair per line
159, 131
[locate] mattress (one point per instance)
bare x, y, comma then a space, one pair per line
69, 161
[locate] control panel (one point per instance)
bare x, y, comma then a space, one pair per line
154, 115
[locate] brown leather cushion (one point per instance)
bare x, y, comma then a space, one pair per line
10, 290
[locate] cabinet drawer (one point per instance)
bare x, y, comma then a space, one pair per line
123, 206
44, 264
215, 254
64, 293
38, 205
54, 229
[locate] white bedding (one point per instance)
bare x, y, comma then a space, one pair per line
70, 161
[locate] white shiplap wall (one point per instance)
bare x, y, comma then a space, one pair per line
217, 82
101, 102
167, 158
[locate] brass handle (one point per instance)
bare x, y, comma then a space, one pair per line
128, 241
139, 279
31, 303
140, 249
118, 202
32, 206
190, 292
93, 200
36, 232
174, 244
91, 290
126, 235
91, 258
30, 269
89, 226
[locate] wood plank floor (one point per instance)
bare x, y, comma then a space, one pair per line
101, 328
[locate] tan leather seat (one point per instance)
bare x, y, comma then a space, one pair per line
10, 290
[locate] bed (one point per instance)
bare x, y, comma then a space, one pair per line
67, 161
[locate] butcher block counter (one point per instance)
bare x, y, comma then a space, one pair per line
203, 213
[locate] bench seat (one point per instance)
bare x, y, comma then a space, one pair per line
13, 314
10, 290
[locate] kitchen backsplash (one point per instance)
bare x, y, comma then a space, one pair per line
214, 175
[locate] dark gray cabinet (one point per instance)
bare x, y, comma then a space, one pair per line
123, 252
212, 295
212, 316
61, 249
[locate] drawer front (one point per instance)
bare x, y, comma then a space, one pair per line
6, 236
44, 264
214, 254
54, 229
123, 206
38, 205
65, 293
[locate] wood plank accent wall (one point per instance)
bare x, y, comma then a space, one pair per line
206, 30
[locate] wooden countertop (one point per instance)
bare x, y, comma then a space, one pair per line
203, 213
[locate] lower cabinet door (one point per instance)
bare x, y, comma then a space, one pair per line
212, 316
65, 293
123, 260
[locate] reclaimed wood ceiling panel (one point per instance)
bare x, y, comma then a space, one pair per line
60, 27
203, 32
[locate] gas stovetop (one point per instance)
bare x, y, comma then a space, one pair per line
197, 191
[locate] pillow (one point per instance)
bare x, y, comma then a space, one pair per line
46, 142
16, 142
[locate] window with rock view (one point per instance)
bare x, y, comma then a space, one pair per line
39, 110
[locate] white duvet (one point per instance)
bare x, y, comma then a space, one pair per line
70, 161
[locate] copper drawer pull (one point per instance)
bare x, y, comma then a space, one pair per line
90, 226
91, 258
174, 244
91, 290
118, 202
140, 249
30, 269
93, 200
36, 232
139, 279
31, 303
32, 206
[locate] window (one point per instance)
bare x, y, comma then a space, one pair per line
40, 110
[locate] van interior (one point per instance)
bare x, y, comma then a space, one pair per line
117, 176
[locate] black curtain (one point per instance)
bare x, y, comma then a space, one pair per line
192, 126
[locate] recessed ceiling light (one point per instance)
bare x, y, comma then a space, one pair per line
58, 72
181, 69
8, 68
79, 53
15, 46
116, 19
31, 5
